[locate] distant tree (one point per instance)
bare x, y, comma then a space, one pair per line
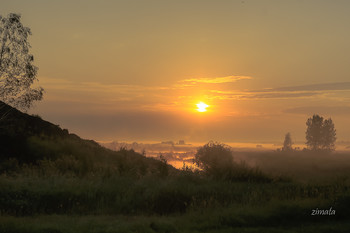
214, 158
320, 133
287, 144
314, 132
329, 135
17, 72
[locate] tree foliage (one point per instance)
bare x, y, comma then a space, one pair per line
320, 133
214, 157
17, 71
288, 143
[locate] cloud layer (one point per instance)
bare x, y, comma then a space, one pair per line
327, 110
95, 110
216, 80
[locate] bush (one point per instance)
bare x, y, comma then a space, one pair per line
214, 158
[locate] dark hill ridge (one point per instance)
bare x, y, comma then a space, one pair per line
17, 127
14, 122
30, 140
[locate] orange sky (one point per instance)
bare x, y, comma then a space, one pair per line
135, 70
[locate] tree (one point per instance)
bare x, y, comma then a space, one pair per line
214, 158
329, 135
287, 144
17, 72
320, 133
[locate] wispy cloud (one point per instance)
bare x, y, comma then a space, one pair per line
329, 110
100, 95
61, 84
216, 80
279, 95
137, 96
312, 87
292, 92
303, 91
120, 97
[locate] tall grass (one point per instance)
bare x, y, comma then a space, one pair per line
23, 195
123, 191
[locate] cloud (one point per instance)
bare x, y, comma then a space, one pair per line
217, 80
280, 95
265, 95
101, 97
312, 87
61, 84
328, 110
303, 91
127, 97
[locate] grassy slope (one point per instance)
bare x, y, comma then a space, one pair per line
29, 140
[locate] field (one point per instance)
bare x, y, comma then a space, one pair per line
87, 195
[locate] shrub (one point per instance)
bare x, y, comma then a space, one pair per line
214, 158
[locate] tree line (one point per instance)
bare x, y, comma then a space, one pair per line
320, 135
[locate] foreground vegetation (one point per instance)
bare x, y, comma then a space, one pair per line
184, 202
217, 221
53, 181
67, 195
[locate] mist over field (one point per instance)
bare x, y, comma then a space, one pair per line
300, 164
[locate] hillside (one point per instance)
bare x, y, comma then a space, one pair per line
26, 139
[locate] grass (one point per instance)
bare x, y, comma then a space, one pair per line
154, 204
215, 202
82, 187
228, 220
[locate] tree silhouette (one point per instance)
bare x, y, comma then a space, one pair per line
329, 135
214, 158
320, 133
287, 144
17, 72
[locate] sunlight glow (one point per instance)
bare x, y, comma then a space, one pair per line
201, 107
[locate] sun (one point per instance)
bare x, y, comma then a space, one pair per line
202, 107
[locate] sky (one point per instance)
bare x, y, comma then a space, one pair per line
135, 70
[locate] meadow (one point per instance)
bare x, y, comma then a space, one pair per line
86, 188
